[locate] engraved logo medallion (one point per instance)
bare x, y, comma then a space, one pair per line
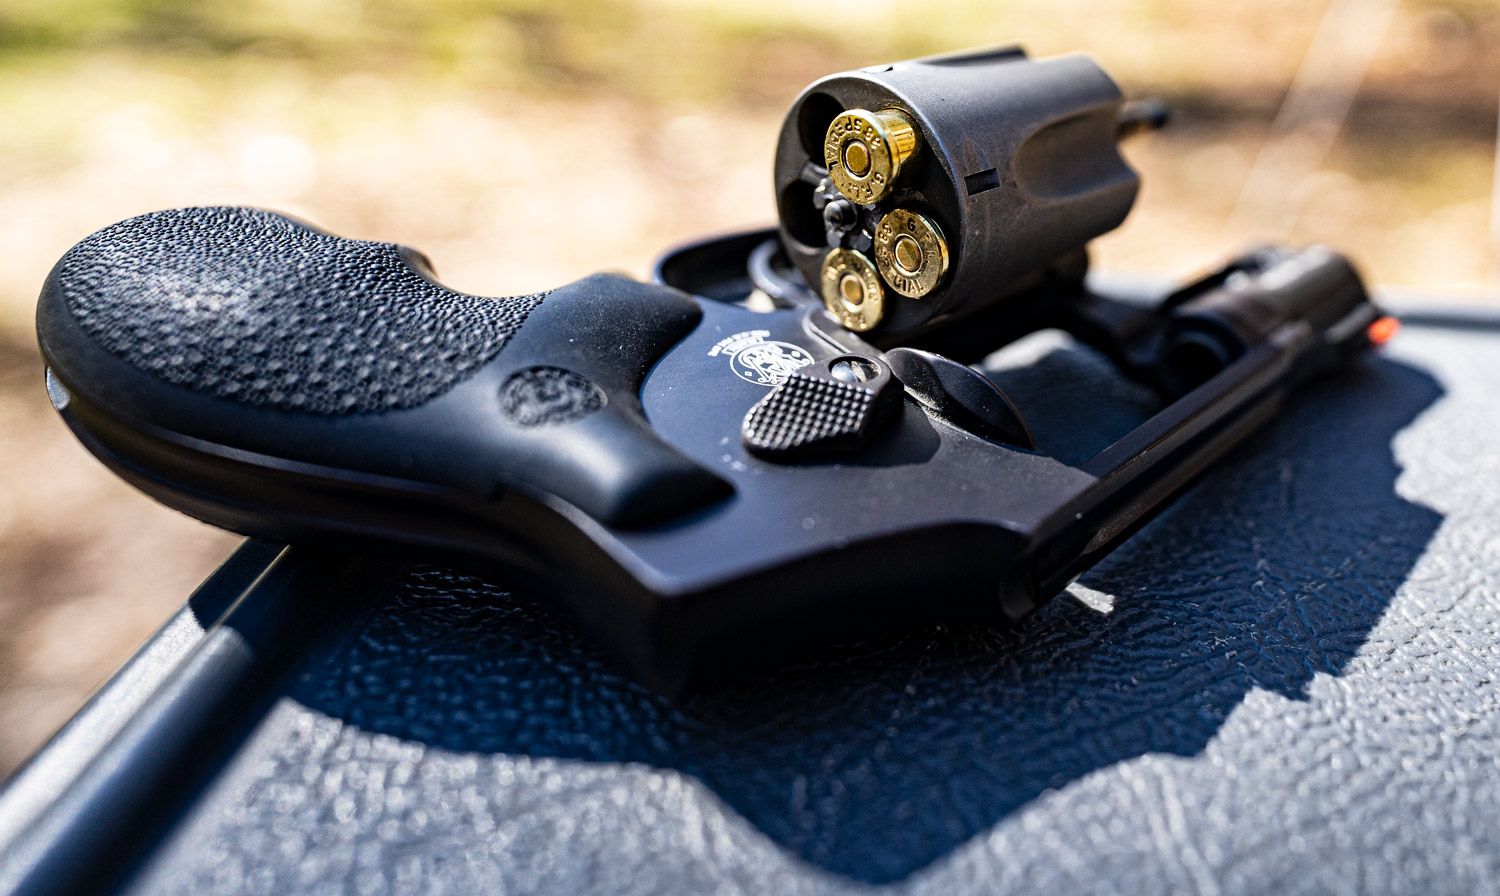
759, 360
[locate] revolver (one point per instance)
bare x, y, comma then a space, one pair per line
777, 439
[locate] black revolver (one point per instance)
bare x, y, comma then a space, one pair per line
779, 438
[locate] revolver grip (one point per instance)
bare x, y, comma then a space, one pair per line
250, 334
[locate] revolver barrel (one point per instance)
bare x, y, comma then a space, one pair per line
1211, 324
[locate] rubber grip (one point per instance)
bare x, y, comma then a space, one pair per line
350, 354
252, 306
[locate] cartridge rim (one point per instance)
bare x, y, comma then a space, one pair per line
865, 151
851, 289
910, 253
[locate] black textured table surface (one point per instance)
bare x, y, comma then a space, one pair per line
1287, 683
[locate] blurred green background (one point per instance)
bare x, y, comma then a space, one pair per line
524, 143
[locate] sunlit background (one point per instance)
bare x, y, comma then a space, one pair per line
524, 144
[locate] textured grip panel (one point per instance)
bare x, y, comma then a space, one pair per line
252, 306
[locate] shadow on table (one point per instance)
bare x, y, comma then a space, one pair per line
879, 758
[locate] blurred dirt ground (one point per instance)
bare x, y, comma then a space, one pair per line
524, 144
